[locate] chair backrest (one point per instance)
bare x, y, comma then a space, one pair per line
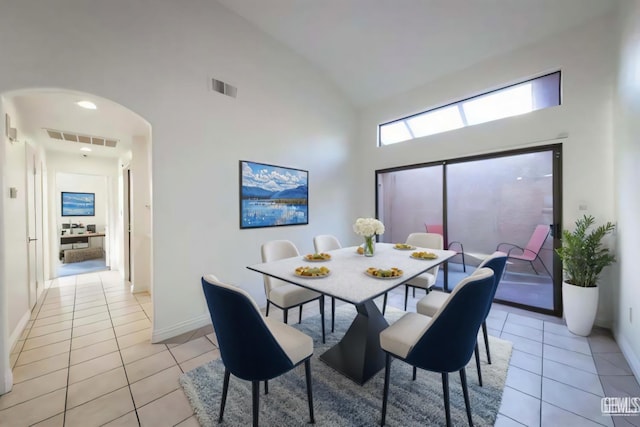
247, 346
273, 251
448, 341
538, 238
427, 240
434, 228
325, 242
497, 261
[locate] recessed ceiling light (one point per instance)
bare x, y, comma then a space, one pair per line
87, 104
85, 149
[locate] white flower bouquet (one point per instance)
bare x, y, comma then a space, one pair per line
368, 226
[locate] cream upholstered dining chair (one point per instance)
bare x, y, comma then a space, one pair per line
253, 348
282, 294
431, 303
324, 243
426, 280
428, 342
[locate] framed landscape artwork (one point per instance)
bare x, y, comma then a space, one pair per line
78, 204
272, 195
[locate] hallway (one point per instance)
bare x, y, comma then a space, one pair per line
85, 359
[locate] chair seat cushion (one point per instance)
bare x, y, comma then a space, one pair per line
295, 344
400, 337
431, 303
424, 281
289, 295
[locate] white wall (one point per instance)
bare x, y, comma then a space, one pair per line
66, 172
587, 60
15, 227
157, 62
627, 176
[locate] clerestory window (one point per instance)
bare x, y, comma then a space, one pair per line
520, 98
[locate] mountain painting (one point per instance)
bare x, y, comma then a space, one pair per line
272, 195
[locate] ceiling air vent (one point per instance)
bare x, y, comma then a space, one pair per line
65, 136
224, 88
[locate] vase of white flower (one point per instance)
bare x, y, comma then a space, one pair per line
369, 245
368, 228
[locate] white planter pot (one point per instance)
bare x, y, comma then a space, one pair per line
580, 307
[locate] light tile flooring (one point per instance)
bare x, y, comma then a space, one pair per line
85, 359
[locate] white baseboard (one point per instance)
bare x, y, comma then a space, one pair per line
7, 382
632, 358
180, 328
15, 334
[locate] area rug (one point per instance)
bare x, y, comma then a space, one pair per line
74, 268
340, 402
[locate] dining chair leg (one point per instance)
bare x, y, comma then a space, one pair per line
307, 373
321, 302
406, 295
445, 392
384, 303
333, 314
255, 391
300, 315
385, 390
486, 341
464, 265
285, 315
414, 292
477, 353
266, 386
268, 304
415, 373
225, 387
465, 392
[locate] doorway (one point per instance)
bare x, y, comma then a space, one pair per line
484, 203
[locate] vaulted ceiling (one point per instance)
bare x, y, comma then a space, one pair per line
371, 49
374, 49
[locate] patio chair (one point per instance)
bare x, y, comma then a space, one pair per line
531, 251
452, 246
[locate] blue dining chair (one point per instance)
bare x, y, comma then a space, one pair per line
432, 302
253, 347
427, 342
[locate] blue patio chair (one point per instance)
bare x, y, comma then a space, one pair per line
253, 348
427, 342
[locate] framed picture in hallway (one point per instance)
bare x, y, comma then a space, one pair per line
78, 204
272, 196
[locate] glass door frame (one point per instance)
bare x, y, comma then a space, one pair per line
556, 226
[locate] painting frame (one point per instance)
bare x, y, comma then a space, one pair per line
74, 203
272, 195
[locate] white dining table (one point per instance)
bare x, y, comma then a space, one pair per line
358, 354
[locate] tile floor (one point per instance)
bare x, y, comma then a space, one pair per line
85, 359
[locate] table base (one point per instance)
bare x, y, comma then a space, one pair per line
358, 355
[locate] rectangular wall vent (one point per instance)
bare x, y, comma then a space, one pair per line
224, 88
84, 139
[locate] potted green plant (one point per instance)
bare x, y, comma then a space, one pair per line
583, 257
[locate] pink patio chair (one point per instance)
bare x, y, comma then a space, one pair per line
452, 246
531, 251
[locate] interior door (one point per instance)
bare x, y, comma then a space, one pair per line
34, 211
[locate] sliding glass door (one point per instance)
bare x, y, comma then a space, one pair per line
507, 201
